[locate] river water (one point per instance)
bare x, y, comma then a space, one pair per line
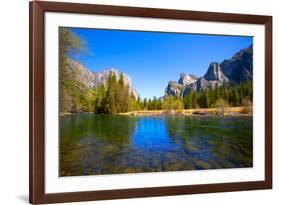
92, 144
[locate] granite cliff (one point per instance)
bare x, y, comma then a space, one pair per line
95, 79
237, 69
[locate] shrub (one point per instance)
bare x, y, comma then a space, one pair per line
221, 106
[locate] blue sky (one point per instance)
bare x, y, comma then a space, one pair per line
152, 59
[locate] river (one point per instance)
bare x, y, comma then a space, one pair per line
92, 144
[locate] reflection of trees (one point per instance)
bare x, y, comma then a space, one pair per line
94, 144
108, 128
99, 144
214, 138
181, 129
114, 129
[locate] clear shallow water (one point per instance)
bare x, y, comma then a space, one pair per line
109, 144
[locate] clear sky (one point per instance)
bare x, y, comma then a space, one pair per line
152, 59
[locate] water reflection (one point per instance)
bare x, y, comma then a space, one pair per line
151, 134
107, 144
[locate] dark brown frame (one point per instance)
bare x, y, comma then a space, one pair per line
37, 9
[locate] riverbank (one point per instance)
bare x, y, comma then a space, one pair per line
227, 111
62, 114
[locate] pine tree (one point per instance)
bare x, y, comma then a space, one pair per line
111, 94
145, 104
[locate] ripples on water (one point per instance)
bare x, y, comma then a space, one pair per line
110, 144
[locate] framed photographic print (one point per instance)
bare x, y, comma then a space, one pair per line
139, 102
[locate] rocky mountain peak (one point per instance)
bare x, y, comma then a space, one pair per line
95, 79
81, 73
174, 89
186, 79
114, 71
243, 53
238, 68
214, 73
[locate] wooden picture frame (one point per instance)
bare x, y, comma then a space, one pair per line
37, 11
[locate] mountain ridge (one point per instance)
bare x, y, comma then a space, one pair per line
95, 79
237, 69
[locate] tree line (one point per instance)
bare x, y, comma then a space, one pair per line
114, 97
231, 93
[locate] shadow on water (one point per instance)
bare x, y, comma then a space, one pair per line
108, 144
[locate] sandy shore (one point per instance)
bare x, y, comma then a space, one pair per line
70, 113
228, 111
